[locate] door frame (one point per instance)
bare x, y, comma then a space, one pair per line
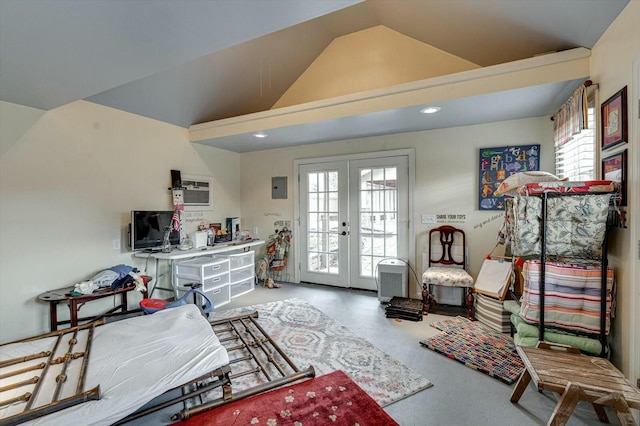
408, 152
634, 222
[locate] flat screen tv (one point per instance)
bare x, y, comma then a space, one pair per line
147, 229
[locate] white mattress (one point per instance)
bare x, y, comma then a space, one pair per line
133, 361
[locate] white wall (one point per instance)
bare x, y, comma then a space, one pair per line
611, 67
446, 177
69, 179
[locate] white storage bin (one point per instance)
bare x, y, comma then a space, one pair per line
201, 267
219, 296
242, 287
241, 274
239, 260
207, 283
449, 295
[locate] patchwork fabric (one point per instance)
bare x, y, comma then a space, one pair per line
477, 346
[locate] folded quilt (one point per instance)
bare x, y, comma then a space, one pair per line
575, 226
572, 295
528, 335
573, 187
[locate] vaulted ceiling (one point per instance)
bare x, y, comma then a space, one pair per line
192, 61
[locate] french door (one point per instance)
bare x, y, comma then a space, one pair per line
353, 213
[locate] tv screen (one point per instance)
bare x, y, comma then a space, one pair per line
148, 227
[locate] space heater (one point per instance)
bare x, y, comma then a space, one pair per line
393, 279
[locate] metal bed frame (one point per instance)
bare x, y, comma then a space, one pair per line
256, 353
33, 408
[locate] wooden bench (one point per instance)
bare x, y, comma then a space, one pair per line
576, 377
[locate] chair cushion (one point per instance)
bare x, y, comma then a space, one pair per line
449, 277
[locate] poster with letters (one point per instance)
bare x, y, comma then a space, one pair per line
497, 164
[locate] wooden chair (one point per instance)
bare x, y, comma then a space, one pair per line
447, 265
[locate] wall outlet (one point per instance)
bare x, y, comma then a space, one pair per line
116, 244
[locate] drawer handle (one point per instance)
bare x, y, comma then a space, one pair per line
216, 279
215, 267
217, 291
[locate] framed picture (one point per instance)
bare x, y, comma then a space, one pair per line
614, 168
614, 119
497, 164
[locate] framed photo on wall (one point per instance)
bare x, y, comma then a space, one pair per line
614, 168
613, 123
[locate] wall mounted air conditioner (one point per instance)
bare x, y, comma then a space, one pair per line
197, 193
393, 279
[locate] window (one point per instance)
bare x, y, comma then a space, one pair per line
576, 156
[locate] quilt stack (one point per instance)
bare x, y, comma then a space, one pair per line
403, 308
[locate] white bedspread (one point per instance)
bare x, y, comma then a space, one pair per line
133, 361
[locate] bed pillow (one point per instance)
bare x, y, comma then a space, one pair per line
510, 185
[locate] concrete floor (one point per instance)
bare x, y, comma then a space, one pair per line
460, 396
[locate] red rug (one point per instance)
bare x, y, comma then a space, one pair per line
330, 399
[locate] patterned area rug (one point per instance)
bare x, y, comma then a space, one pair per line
330, 399
477, 347
309, 337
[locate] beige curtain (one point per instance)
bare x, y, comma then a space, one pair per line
571, 118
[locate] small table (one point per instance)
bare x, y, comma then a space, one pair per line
576, 378
75, 303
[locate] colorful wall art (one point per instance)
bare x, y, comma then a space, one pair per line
497, 164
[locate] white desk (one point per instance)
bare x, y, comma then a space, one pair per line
188, 254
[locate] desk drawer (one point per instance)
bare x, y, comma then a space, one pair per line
242, 287
241, 274
239, 260
219, 296
207, 283
202, 267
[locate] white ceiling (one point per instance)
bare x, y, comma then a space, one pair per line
195, 61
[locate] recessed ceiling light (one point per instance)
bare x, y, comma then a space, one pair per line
430, 110
260, 135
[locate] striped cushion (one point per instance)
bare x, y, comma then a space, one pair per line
491, 313
572, 295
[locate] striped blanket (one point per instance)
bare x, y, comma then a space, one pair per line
572, 295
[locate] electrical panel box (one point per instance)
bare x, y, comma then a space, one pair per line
279, 187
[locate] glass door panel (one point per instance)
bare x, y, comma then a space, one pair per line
382, 210
326, 260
